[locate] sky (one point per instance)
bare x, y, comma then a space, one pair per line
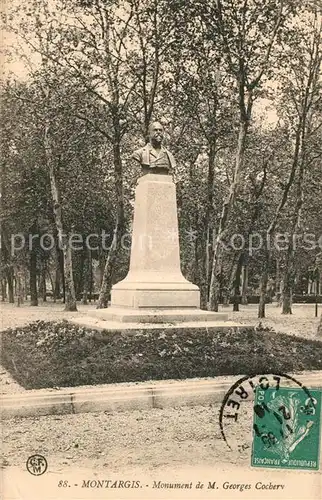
263, 110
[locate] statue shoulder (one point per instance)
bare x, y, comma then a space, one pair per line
171, 158
142, 155
138, 153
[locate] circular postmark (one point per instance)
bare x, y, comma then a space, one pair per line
36, 465
237, 409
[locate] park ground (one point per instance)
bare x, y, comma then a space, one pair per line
144, 440
302, 322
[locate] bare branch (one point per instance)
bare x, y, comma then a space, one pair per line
223, 35
264, 62
94, 125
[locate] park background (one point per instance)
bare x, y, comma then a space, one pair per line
237, 86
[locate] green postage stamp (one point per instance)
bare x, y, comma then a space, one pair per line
286, 429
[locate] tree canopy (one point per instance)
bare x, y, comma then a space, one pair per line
237, 86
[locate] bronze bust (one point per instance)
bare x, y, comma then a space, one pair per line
153, 157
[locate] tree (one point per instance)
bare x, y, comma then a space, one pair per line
304, 92
24, 200
248, 34
300, 97
102, 72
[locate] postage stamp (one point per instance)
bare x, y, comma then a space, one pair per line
286, 428
237, 409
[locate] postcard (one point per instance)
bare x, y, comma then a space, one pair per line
161, 250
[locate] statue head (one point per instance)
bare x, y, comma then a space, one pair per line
156, 133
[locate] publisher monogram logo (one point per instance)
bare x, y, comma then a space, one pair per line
36, 465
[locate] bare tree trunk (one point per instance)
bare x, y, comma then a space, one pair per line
87, 275
42, 280
201, 259
306, 98
33, 277
25, 284
52, 283
56, 292
263, 284
262, 295
3, 289
19, 292
10, 279
61, 275
288, 282
79, 283
206, 266
289, 275
278, 287
244, 284
106, 284
91, 283
107, 275
7, 258
195, 273
237, 283
59, 266
209, 217
267, 256
287, 297
218, 250
70, 297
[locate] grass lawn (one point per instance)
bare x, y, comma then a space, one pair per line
60, 354
302, 322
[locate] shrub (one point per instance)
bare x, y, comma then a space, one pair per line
51, 354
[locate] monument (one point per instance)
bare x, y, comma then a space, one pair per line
155, 279
155, 290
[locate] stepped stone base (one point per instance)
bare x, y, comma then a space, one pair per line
157, 316
134, 323
155, 295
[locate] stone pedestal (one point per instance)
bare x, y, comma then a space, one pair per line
155, 279
154, 292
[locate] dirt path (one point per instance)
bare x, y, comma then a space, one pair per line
121, 441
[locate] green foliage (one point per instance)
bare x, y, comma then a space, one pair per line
98, 72
58, 354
